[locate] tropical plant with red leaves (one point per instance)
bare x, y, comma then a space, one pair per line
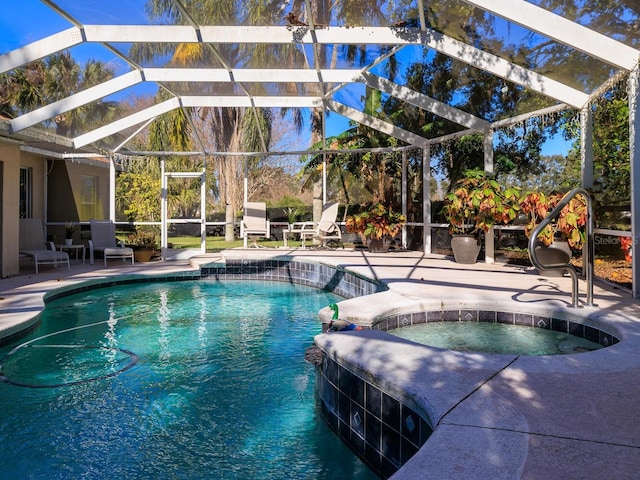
570, 225
376, 223
625, 245
478, 202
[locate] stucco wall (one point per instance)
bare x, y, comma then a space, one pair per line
65, 194
10, 191
39, 179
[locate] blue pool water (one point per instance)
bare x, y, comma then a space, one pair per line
191, 380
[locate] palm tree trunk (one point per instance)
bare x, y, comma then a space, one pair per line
316, 136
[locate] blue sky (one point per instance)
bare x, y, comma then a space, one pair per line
26, 21
556, 145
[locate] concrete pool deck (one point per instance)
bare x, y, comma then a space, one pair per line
494, 416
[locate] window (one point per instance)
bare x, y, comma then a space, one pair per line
89, 197
26, 192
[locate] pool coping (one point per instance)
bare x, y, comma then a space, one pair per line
494, 416
504, 416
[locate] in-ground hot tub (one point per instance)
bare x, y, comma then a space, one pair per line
369, 379
499, 332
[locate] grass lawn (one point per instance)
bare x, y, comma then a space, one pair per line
216, 244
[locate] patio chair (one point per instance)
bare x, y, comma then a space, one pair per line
103, 240
33, 244
324, 231
254, 223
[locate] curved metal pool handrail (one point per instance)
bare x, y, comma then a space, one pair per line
587, 251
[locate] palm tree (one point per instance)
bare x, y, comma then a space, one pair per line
235, 129
375, 172
230, 129
322, 13
55, 78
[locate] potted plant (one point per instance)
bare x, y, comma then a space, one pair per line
69, 229
144, 244
376, 226
476, 204
557, 240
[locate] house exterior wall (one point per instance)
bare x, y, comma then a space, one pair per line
62, 191
77, 192
10, 196
38, 166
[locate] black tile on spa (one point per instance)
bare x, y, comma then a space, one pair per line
372, 430
524, 319
328, 393
407, 450
330, 418
559, 325
392, 322
486, 316
468, 315
542, 322
418, 318
607, 340
372, 457
504, 317
425, 431
387, 468
357, 390
344, 431
591, 334
344, 407
332, 371
404, 320
576, 329
373, 400
390, 411
391, 445
357, 419
410, 425
344, 383
357, 444
451, 316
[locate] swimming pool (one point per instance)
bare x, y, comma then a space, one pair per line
191, 379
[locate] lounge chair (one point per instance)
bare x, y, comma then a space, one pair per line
325, 230
254, 223
33, 244
103, 239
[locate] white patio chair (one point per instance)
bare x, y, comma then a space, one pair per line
325, 230
103, 239
254, 223
33, 244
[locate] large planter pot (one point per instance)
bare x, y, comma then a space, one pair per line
379, 245
466, 248
142, 255
558, 252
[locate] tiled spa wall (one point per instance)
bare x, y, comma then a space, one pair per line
382, 430
513, 318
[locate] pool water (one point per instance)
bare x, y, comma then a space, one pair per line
491, 337
191, 380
